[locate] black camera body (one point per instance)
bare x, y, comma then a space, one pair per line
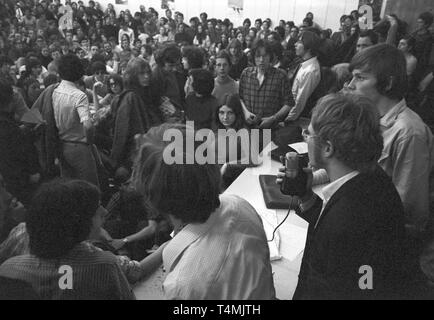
295, 179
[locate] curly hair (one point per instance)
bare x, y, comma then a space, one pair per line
169, 53
350, 123
203, 81
60, 216
70, 68
194, 57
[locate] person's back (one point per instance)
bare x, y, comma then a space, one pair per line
94, 275
200, 110
200, 104
58, 262
227, 258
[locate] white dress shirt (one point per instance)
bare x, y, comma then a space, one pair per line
305, 82
71, 110
225, 258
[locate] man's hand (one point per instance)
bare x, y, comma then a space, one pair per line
308, 171
97, 85
250, 118
267, 123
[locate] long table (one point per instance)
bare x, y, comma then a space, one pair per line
292, 234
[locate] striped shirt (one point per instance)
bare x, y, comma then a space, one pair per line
95, 275
225, 258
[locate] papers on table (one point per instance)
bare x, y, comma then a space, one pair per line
270, 222
300, 147
266, 166
295, 240
294, 237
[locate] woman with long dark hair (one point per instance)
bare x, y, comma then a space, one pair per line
230, 120
201, 38
134, 111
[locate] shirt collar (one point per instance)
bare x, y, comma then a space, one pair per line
184, 238
309, 61
329, 190
267, 72
390, 117
68, 83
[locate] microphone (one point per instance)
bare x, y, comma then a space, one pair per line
295, 179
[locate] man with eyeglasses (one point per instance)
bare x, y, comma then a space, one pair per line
358, 229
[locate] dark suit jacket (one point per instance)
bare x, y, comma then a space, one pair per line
49, 144
361, 225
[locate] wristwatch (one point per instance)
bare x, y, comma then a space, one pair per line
125, 240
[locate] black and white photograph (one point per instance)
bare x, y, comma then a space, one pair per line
216, 152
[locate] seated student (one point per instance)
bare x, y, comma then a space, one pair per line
223, 83
230, 116
200, 104
219, 251
132, 223
61, 216
360, 223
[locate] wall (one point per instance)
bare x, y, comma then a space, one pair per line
326, 12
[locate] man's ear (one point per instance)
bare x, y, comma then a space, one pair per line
389, 85
328, 149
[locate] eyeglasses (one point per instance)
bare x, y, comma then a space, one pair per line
113, 84
306, 135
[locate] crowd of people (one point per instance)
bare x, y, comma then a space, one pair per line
83, 111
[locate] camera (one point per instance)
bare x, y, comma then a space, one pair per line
295, 179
